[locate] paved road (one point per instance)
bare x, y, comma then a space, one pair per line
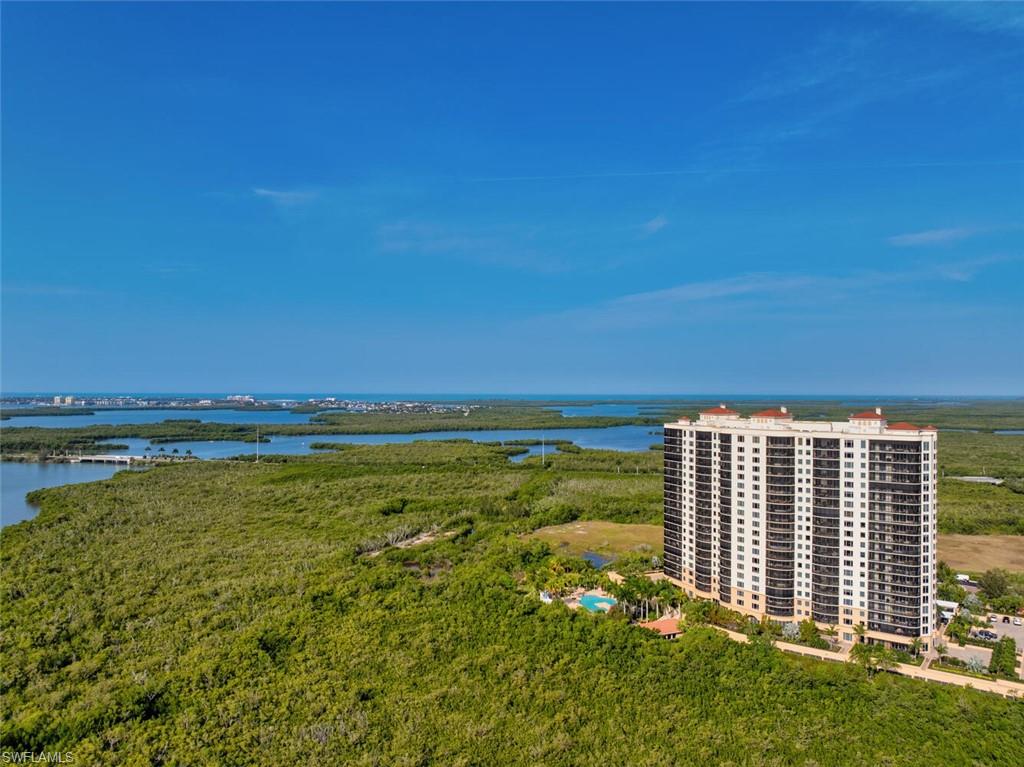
1000, 687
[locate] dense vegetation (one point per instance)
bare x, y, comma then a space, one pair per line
1004, 659
975, 509
477, 419
26, 412
999, 591
966, 454
222, 613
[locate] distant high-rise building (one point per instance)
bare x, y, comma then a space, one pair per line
833, 521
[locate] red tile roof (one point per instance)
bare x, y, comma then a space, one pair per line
869, 415
720, 410
773, 414
665, 626
903, 426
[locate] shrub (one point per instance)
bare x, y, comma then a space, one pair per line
393, 506
994, 583
1009, 604
1004, 658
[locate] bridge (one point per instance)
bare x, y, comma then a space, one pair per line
128, 460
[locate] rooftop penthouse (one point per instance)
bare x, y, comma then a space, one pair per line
780, 419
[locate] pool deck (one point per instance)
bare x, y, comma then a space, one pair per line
573, 601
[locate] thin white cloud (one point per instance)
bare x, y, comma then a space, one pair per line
690, 299
285, 197
836, 60
44, 289
771, 135
965, 271
999, 17
744, 284
654, 226
831, 80
931, 237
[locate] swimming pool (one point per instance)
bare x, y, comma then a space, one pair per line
596, 604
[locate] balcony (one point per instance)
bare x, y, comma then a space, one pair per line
779, 607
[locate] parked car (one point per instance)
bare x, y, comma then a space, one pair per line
993, 618
1006, 619
988, 636
1016, 621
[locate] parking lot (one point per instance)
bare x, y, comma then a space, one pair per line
1007, 629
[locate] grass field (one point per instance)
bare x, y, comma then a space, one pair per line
601, 537
982, 552
962, 552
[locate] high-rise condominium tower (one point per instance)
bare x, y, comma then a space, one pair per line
833, 521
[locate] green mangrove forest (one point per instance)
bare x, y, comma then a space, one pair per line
377, 605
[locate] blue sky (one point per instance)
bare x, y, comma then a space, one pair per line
514, 198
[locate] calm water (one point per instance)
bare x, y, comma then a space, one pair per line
628, 438
607, 409
132, 416
18, 479
21, 478
597, 560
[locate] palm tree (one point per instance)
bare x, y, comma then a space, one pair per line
859, 631
885, 659
832, 632
627, 596
873, 657
647, 591
665, 595
861, 655
915, 646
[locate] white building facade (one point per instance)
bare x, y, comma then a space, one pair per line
833, 521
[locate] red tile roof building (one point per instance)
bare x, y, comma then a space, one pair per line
720, 410
667, 627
